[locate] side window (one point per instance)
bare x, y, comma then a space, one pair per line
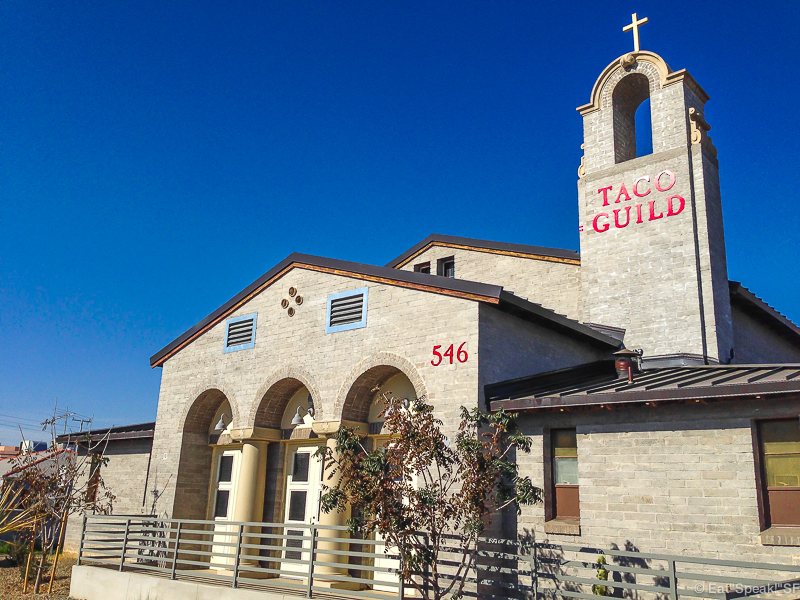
446, 267
564, 495
779, 449
94, 477
423, 268
347, 310
240, 333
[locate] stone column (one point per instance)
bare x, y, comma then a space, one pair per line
249, 500
328, 429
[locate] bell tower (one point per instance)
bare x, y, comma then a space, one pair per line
652, 243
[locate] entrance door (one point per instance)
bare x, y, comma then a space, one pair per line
303, 490
222, 508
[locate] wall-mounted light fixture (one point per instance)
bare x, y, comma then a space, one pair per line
220, 426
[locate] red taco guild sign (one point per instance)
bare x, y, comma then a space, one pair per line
647, 204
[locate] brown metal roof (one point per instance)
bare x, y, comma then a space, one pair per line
460, 288
597, 383
125, 432
520, 250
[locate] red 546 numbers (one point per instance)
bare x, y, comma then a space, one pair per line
439, 357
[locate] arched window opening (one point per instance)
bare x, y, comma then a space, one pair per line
629, 94
644, 129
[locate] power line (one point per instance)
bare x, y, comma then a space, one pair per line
20, 418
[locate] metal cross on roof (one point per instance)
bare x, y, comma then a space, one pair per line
635, 26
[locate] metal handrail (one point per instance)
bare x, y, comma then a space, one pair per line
245, 553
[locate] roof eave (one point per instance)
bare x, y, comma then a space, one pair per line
559, 322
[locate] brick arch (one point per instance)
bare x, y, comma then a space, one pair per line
200, 401
275, 393
354, 397
194, 463
621, 77
628, 95
648, 63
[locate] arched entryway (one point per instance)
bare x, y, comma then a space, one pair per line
196, 455
293, 482
365, 402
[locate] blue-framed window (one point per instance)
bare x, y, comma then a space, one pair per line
347, 310
240, 333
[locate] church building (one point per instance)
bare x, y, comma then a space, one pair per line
662, 399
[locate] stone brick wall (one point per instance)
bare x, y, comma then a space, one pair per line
402, 327
125, 476
676, 480
511, 348
755, 343
554, 285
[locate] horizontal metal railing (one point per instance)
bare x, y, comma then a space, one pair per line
292, 556
570, 571
304, 559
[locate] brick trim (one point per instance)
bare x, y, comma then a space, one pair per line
276, 378
201, 389
381, 359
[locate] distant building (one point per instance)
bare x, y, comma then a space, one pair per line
8, 451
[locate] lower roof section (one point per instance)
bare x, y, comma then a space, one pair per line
126, 432
598, 384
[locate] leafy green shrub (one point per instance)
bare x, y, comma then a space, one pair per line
602, 575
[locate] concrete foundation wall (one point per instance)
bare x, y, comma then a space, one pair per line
94, 583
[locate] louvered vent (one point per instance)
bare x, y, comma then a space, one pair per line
346, 310
240, 333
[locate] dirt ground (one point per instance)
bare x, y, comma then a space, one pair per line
11, 581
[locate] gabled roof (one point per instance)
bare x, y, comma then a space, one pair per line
751, 304
460, 288
597, 384
518, 250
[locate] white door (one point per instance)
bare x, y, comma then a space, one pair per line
303, 490
226, 475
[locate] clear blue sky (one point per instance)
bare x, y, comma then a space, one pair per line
157, 157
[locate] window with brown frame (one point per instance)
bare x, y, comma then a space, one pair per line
94, 477
779, 458
565, 495
423, 268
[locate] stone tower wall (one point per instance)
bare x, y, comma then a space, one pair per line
652, 242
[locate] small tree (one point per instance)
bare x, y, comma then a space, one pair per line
424, 495
53, 485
